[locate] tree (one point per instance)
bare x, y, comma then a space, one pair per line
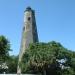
4, 48
12, 64
50, 58
8, 63
4, 51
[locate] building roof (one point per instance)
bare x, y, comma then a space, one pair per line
28, 8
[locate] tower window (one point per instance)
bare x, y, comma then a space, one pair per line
23, 28
28, 18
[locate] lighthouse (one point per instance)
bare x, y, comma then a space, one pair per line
29, 33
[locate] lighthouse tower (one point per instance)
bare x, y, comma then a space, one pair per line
29, 33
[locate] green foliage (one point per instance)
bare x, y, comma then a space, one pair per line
51, 57
4, 48
12, 64
5, 58
4, 52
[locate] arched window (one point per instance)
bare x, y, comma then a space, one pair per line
28, 18
23, 28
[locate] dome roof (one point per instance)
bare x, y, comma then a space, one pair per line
28, 8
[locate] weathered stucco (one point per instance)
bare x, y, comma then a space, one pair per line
29, 34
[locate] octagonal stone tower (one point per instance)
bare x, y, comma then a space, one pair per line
29, 34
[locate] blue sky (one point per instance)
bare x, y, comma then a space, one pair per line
55, 21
